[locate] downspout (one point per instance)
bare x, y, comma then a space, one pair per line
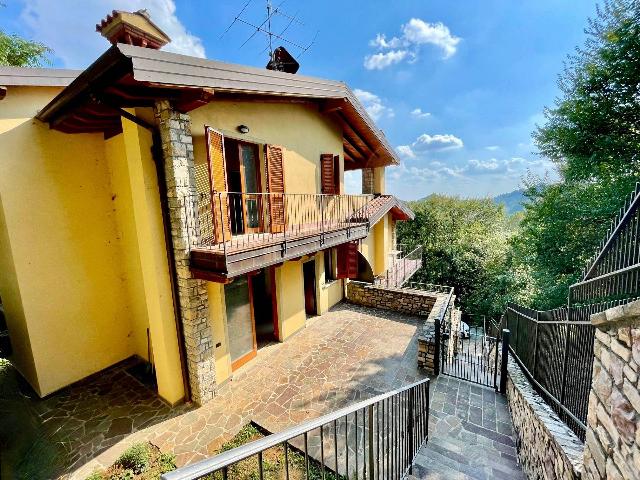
156, 155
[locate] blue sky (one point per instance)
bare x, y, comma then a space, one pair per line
457, 86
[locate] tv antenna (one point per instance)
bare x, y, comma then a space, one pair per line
279, 56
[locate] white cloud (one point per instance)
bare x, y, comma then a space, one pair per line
426, 143
437, 142
414, 34
405, 151
411, 174
381, 60
418, 113
514, 167
420, 32
492, 148
68, 27
373, 104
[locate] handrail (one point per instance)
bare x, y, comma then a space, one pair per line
225, 459
397, 274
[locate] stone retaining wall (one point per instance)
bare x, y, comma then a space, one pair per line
413, 302
547, 448
613, 423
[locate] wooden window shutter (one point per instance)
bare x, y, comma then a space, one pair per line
218, 183
275, 187
336, 174
348, 260
327, 174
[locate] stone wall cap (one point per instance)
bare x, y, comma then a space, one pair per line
620, 316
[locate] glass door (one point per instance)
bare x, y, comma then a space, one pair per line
240, 321
250, 173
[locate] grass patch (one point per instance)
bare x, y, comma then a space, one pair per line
141, 461
273, 461
144, 461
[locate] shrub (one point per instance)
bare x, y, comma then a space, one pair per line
135, 458
97, 475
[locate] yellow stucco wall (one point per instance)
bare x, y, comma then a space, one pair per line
328, 292
379, 180
84, 267
375, 248
218, 323
300, 128
64, 295
290, 296
153, 275
126, 232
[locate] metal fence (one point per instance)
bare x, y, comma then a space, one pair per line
557, 356
555, 347
375, 439
613, 273
401, 268
228, 220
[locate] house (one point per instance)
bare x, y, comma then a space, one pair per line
181, 210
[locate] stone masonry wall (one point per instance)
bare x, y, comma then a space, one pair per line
412, 302
177, 148
367, 181
547, 448
613, 422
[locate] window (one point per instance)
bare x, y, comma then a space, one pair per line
330, 174
329, 266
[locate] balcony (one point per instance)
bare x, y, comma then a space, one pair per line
235, 233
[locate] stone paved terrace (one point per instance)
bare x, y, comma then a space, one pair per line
349, 354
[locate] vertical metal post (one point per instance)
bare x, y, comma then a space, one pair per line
371, 459
505, 359
535, 345
436, 352
410, 419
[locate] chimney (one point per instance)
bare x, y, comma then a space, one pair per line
133, 28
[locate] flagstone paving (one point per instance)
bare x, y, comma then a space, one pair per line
347, 355
470, 434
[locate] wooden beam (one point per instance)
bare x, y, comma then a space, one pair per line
355, 151
210, 276
193, 99
332, 105
352, 133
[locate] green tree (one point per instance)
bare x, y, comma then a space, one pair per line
18, 52
465, 245
592, 133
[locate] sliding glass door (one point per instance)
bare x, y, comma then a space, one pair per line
240, 323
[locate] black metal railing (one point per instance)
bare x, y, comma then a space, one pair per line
227, 220
371, 440
557, 356
401, 269
613, 273
555, 347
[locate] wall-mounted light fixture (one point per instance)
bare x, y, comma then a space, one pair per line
243, 129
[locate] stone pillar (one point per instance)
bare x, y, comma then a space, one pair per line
177, 149
612, 447
427, 349
367, 181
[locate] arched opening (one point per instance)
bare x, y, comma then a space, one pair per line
365, 272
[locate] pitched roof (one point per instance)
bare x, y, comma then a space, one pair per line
160, 69
45, 77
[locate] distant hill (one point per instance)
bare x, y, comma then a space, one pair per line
512, 201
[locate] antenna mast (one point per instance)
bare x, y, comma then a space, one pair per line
279, 56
